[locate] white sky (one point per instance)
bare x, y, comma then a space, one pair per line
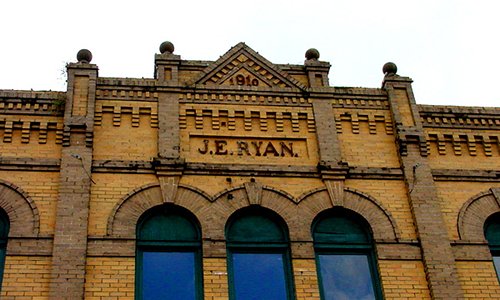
451, 48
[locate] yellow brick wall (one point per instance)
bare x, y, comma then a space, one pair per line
42, 187
303, 79
109, 278
402, 100
215, 280
392, 195
368, 150
403, 279
26, 277
188, 76
80, 95
400, 279
478, 280
306, 279
113, 278
125, 142
452, 196
107, 191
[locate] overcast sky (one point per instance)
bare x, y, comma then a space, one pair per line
451, 49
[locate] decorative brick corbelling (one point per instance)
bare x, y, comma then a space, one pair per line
34, 103
477, 143
24, 217
209, 117
455, 117
242, 98
242, 49
119, 108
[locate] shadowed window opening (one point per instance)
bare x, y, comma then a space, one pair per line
492, 234
4, 232
345, 257
258, 256
168, 261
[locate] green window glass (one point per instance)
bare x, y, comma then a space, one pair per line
492, 234
4, 232
168, 261
345, 256
258, 256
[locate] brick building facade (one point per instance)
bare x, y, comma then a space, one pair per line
246, 157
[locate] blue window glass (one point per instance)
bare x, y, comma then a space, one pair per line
259, 276
492, 234
168, 262
496, 261
346, 276
4, 232
258, 256
345, 256
168, 275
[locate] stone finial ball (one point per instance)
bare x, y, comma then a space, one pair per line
390, 68
312, 54
167, 47
84, 56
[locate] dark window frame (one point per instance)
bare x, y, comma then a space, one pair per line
492, 236
4, 233
191, 246
349, 245
256, 246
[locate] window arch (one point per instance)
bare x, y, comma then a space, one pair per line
345, 256
492, 234
258, 255
4, 232
168, 260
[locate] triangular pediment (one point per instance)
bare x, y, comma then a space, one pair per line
243, 67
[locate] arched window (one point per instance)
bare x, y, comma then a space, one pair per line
168, 261
345, 256
258, 256
492, 234
4, 232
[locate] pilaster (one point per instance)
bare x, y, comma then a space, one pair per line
70, 238
168, 166
331, 167
437, 254
167, 75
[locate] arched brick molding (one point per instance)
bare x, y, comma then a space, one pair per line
474, 213
230, 200
123, 219
24, 217
381, 222
213, 212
